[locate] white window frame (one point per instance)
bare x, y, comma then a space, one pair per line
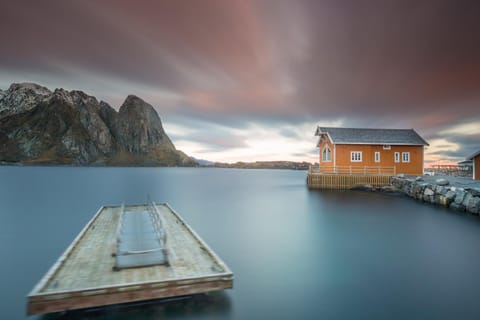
406, 157
377, 156
396, 157
387, 147
355, 156
327, 152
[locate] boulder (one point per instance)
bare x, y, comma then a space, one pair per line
457, 206
450, 195
459, 195
474, 205
475, 192
428, 192
466, 199
442, 182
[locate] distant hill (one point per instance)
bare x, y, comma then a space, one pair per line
264, 165
38, 126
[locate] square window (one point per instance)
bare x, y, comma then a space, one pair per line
387, 147
356, 156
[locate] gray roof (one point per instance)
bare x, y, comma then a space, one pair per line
473, 155
372, 136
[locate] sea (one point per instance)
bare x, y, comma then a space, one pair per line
295, 253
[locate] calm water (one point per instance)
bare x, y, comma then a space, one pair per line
296, 254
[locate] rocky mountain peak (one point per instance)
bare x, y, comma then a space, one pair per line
29, 86
72, 127
21, 97
140, 128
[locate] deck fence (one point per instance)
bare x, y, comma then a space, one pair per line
348, 177
353, 170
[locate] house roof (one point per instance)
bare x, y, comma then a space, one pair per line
372, 136
470, 157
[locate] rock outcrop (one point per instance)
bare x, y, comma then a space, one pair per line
459, 199
38, 126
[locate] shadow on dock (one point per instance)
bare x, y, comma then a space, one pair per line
214, 304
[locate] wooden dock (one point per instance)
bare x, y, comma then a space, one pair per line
85, 275
345, 181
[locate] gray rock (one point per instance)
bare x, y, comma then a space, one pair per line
442, 182
474, 205
459, 195
440, 190
428, 192
466, 199
457, 206
401, 175
475, 192
419, 179
450, 195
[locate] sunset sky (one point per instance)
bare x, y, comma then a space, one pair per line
251, 80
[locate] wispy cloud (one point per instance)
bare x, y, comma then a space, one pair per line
253, 78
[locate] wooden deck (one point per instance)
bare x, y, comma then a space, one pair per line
84, 275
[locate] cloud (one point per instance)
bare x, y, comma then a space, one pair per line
250, 71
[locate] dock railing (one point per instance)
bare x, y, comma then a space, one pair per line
353, 170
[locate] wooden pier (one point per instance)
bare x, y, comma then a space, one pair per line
86, 274
344, 178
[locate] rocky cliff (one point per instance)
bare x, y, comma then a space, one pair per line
38, 126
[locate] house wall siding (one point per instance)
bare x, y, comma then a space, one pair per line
342, 157
476, 166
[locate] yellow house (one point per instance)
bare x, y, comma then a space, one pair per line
370, 151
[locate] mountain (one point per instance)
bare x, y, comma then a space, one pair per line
38, 126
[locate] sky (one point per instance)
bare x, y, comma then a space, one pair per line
244, 80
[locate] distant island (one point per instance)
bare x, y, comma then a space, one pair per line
41, 127
292, 165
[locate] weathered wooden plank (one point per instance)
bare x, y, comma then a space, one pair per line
105, 297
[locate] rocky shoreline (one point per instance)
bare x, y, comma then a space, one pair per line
439, 192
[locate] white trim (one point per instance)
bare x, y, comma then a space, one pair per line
407, 158
357, 153
387, 147
396, 157
328, 154
377, 159
335, 155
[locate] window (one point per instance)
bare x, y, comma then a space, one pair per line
387, 147
405, 156
356, 156
377, 156
397, 156
326, 154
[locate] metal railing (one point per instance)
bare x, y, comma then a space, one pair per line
353, 170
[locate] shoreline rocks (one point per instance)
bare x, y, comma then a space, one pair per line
440, 193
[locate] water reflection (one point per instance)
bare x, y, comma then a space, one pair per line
214, 305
